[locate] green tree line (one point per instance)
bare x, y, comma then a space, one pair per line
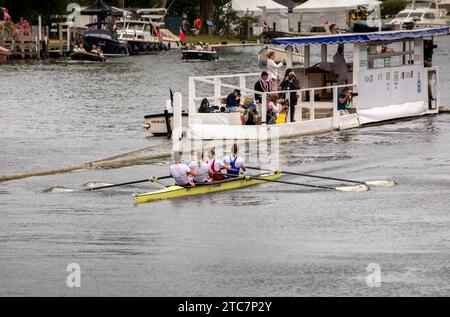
206, 9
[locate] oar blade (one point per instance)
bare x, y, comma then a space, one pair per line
95, 184
386, 183
358, 188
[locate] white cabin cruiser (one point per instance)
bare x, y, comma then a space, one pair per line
157, 17
141, 36
419, 15
391, 76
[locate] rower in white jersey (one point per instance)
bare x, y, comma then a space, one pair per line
236, 162
181, 172
202, 168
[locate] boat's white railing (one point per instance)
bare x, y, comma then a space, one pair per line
217, 81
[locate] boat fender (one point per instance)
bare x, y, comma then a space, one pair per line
432, 86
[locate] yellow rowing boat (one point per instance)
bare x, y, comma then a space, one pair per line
229, 184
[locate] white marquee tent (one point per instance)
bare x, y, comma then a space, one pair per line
333, 11
275, 14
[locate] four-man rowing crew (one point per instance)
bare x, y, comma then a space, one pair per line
214, 175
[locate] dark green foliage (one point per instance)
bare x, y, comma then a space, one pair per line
390, 8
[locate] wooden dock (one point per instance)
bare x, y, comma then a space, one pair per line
22, 43
39, 42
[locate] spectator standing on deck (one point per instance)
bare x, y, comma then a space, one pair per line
340, 66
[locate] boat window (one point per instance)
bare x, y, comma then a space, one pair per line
317, 29
429, 16
402, 15
416, 15
394, 54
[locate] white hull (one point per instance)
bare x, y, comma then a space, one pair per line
280, 55
306, 127
157, 125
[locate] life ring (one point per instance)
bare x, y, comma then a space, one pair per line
432, 86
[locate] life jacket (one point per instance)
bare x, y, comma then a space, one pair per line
234, 170
216, 177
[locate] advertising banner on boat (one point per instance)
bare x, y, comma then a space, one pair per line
391, 86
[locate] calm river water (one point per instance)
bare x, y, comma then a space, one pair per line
262, 241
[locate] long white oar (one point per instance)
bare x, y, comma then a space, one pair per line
358, 188
151, 179
385, 183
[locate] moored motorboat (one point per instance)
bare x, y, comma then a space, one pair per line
200, 189
102, 35
157, 123
419, 16
86, 57
196, 55
141, 36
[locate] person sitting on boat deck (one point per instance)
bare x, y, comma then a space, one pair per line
209, 48
344, 100
234, 101
181, 172
251, 115
188, 46
272, 109
217, 166
199, 47
333, 29
202, 168
80, 49
340, 66
95, 50
282, 115
100, 51
262, 85
236, 162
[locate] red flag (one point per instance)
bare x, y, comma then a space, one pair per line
182, 36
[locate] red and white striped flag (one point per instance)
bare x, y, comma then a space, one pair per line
182, 36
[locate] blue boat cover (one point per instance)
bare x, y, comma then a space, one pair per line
361, 37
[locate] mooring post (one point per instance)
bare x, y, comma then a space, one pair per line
312, 111
22, 42
177, 131
39, 39
61, 39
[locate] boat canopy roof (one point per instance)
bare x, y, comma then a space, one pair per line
319, 6
101, 8
361, 37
